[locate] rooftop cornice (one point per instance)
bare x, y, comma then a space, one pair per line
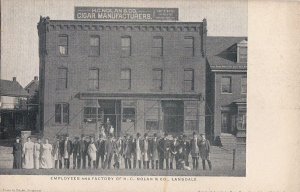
57, 25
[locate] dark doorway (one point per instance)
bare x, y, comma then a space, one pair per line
112, 110
173, 116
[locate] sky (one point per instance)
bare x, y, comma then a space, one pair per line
19, 18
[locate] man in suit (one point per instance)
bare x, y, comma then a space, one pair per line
109, 151
173, 151
137, 143
76, 157
164, 145
100, 144
145, 148
82, 153
127, 151
185, 149
195, 150
154, 151
66, 151
204, 151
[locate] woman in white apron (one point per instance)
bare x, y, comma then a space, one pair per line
46, 157
28, 162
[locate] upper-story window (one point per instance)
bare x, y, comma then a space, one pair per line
126, 46
62, 113
244, 85
242, 48
157, 46
62, 79
94, 45
188, 80
157, 79
126, 79
226, 85
94, 79
63, 44
188, 46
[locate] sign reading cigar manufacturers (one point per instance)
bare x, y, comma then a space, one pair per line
125, 13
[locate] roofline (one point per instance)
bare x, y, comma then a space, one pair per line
229, 70
132, 22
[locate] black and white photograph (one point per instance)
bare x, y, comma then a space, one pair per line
154, 90
149, 95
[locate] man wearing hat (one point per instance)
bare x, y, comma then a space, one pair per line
82, 153
17, 153
66, 151
76, 156
195, 150
137, 143
204, 151
154, 151
164, 145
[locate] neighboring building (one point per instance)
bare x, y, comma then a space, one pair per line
13, 107
33, 104
33, 87
226, 88
142, 76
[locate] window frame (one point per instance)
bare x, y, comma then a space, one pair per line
192, 81
230, 78
192, 47
244, 77
59, 44
239, 46
93, 80
161, 47
59, 79
129, 47
93, 46
129, 80
157, 80
62, 113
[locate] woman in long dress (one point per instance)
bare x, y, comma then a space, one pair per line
46, 157
56, 155
28, 162
37, 154
17, 152
92, 151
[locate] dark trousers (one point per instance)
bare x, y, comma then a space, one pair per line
89, 161
101, 160
139, 162
161, 162
83, 157
107, 163
67, 163
167, 160
58, 164
195, 162
127, 163
146, 164
209, 164
76, 161
186, 159
97, 161
154, 162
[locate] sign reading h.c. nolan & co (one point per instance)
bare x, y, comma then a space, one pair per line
125, 13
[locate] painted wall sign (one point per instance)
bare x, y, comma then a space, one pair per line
125, 13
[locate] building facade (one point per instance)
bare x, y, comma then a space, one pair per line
227, 88
140, 76
12, 108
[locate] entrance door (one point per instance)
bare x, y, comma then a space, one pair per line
112, 110
173, 116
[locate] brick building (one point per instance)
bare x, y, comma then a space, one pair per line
226, 88
143, 76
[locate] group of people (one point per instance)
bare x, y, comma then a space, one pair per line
106, 151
